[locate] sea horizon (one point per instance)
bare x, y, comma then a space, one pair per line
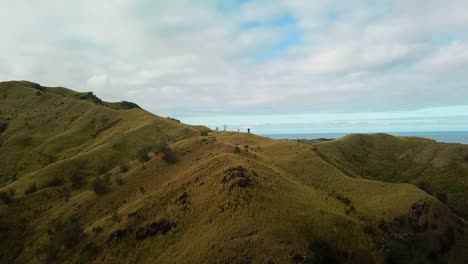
439, 136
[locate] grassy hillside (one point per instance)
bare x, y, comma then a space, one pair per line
439, 169
85, 181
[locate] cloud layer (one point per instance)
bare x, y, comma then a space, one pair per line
193, 59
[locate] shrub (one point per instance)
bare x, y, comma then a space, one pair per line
204, 133
71, 232
321, 252
103, 169
424, 186
115, 216
343, 199
162, 144
447, 239
350, 210
68, 234
97, 230
442, 197
91, 249
123, 167
52, 250
31, 189
54, 181
119, 180
77, 180
101, 184
466, 156
368, 229
237, 150
168, 155
65, 194
3, 126
163, 148
7, 196
142, 154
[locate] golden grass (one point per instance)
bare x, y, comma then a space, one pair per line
296, 193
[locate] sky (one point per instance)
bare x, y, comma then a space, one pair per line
275, 66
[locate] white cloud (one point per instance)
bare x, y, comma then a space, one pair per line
453, 56
99, 84
187, 58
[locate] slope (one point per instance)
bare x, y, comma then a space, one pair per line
440, 169
126, 186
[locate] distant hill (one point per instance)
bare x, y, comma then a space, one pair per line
440, 169
82, 180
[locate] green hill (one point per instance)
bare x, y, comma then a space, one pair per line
437, 168
84, 180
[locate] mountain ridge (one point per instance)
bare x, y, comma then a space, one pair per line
124, 185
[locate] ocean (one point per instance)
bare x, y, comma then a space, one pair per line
446, 137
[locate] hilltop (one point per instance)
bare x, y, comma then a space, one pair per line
83, 180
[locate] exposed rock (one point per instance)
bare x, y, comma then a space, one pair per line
90, 96
236, 176
33, 85
129, 105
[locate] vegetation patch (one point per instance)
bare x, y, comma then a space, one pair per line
118, 235
168, 155
119, 180
408, 238
7, 196
237, 150
77, 180
441, 196
346, 202
159, 227
321, 252
343, 199
91, 249
55, 181
423, 185
31, 189
183, 200
142, 153
101, 184
123, 168
3, 126
64, 235
162, 147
